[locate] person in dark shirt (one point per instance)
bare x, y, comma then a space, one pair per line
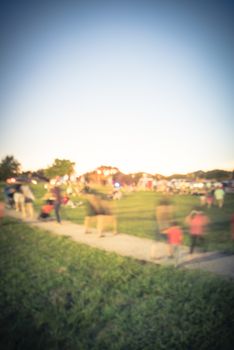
56, 191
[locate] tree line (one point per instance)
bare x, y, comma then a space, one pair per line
11, 167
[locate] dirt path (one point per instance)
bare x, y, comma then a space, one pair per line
138, 248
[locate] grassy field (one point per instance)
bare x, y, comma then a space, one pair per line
57, 294
136, 215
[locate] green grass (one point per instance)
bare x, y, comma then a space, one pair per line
57, 294
136, 215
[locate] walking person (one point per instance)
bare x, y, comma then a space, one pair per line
29, 198
9, 191
209, 199
19, 200
164, 215
219, 196
56, 192
175, 238
197, 222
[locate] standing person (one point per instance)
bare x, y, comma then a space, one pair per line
175, 237
197, 222
9, 191
164, 216
28, 200
19, 200
56, 191
209, 199
219, 196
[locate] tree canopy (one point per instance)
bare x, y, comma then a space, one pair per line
60, 167
9, 167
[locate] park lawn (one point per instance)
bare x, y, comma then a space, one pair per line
57, 294
136, 215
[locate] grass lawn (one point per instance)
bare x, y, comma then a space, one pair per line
136, 215
57, 294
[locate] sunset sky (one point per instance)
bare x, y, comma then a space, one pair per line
140, 85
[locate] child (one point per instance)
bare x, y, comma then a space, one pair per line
175, 237
46, 210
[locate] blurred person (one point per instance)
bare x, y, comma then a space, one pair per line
164, 217
8, 192
197, 222
175, 237
101, 211
209, 199
46, 209
29, 198
67, 201
203, 199
219, 196
49, 193
117, 194
57, 196
19, 200
69, 190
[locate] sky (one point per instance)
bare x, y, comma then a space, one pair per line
140, 85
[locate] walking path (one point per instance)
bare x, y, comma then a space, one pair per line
135, 247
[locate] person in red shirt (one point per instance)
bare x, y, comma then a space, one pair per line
46, 210
197, 222
175, 238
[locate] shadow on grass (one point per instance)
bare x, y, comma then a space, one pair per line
206, 258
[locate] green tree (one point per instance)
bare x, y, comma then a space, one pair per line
60, 167
9, 167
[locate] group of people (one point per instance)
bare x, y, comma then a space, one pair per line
21, 197
169, 230
211, 197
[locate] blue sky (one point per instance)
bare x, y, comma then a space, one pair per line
141, 85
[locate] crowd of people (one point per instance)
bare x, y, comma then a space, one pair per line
20, 197
196, 223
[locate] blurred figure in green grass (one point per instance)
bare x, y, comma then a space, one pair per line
8, 191
175, 238
19, 200
209, 198
101, 210
29, 198
197, 222
164, 216
57, 194
219, 196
